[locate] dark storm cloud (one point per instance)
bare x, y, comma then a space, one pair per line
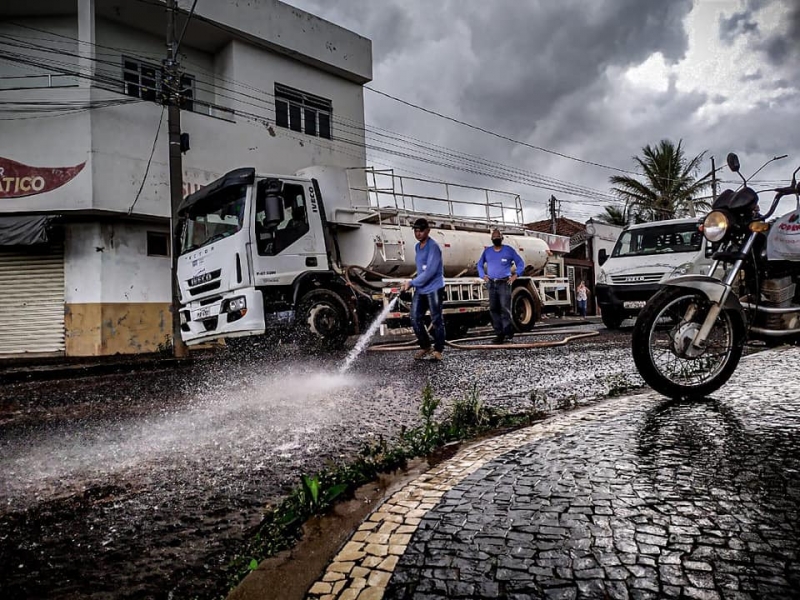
739, 23
534, 56
782, 47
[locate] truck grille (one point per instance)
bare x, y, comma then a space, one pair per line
205, 282
636, 279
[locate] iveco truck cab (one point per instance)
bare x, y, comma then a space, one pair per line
646, 255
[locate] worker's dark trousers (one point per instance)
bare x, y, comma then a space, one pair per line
420, 304
500, 306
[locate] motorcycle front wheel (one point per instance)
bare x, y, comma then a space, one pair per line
663, 350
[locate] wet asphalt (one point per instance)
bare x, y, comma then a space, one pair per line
144, 485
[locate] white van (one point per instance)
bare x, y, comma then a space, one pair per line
645, 256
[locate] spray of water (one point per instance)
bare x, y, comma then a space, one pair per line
363, 341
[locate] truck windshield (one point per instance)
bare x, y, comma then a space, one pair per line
216, 217
657, 239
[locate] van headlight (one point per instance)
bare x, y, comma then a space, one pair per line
682, 270
602, 277
715, 226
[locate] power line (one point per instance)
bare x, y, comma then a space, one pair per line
149, 161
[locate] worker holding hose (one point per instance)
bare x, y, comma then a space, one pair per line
498, 259
428, 292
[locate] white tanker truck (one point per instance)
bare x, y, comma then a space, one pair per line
315, 252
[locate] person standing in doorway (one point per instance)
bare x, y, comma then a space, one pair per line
498, 259
582, 295
428, 292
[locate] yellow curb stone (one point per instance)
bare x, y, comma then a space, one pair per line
358, 583
378, 538
398, 550
341, 567
320, 588
378, 516
371, 562
361, 571
360, 536
371, 594
406, 529
331, 576
338, 587
400, 539
388, 527
389, 564
377, 549
367, 526
349, 594
379, 579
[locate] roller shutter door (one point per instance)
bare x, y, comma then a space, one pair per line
31, 302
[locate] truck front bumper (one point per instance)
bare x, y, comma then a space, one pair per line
211, 320
628, 299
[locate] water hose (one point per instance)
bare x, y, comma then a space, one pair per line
460, 345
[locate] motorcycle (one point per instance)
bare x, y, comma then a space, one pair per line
689, 338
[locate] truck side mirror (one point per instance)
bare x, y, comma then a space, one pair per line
270, 202
602, 256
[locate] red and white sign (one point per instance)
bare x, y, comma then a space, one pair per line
18, 180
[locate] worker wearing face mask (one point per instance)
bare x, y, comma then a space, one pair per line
494, 267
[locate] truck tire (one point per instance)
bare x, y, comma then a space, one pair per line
612, 319
322, 320
523, 309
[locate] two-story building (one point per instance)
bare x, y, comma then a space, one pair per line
84, 181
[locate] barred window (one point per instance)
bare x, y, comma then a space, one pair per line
302, 112
146, 81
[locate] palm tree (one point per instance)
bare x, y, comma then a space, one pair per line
670, 185
613, 215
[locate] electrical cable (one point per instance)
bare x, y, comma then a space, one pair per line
149, 161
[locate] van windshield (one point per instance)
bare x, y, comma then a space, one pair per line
659, 239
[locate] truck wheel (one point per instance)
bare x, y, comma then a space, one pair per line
523, 309
322, 320
612, 319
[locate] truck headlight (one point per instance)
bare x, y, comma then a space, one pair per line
715, 226
602, 277
236, 304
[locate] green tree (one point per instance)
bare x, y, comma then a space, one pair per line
613, 215
668, 187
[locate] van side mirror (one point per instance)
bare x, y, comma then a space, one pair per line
602, 256
269, 202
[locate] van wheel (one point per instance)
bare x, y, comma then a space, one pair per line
523, 309
322, 320
612, 319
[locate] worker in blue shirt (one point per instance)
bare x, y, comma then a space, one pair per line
428, 292
498, 259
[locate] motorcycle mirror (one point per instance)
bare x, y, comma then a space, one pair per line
733, 162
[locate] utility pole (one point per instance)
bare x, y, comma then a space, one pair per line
553, 218
172, 96
713, 180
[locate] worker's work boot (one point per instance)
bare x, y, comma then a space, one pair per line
437, 355
420, 354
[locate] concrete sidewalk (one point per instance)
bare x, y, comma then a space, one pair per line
636, 497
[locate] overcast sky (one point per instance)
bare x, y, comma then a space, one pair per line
592, 79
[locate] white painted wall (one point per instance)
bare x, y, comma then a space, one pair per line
56, 26
108, 262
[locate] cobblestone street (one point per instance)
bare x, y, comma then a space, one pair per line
637, 497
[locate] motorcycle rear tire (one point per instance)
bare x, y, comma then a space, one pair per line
643, 349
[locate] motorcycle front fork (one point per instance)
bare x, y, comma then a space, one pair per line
716, 306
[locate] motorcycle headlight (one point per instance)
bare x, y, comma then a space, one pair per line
715, 226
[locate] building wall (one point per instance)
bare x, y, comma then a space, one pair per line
59, 29
117, 297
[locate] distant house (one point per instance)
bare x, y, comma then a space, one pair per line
580, 263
